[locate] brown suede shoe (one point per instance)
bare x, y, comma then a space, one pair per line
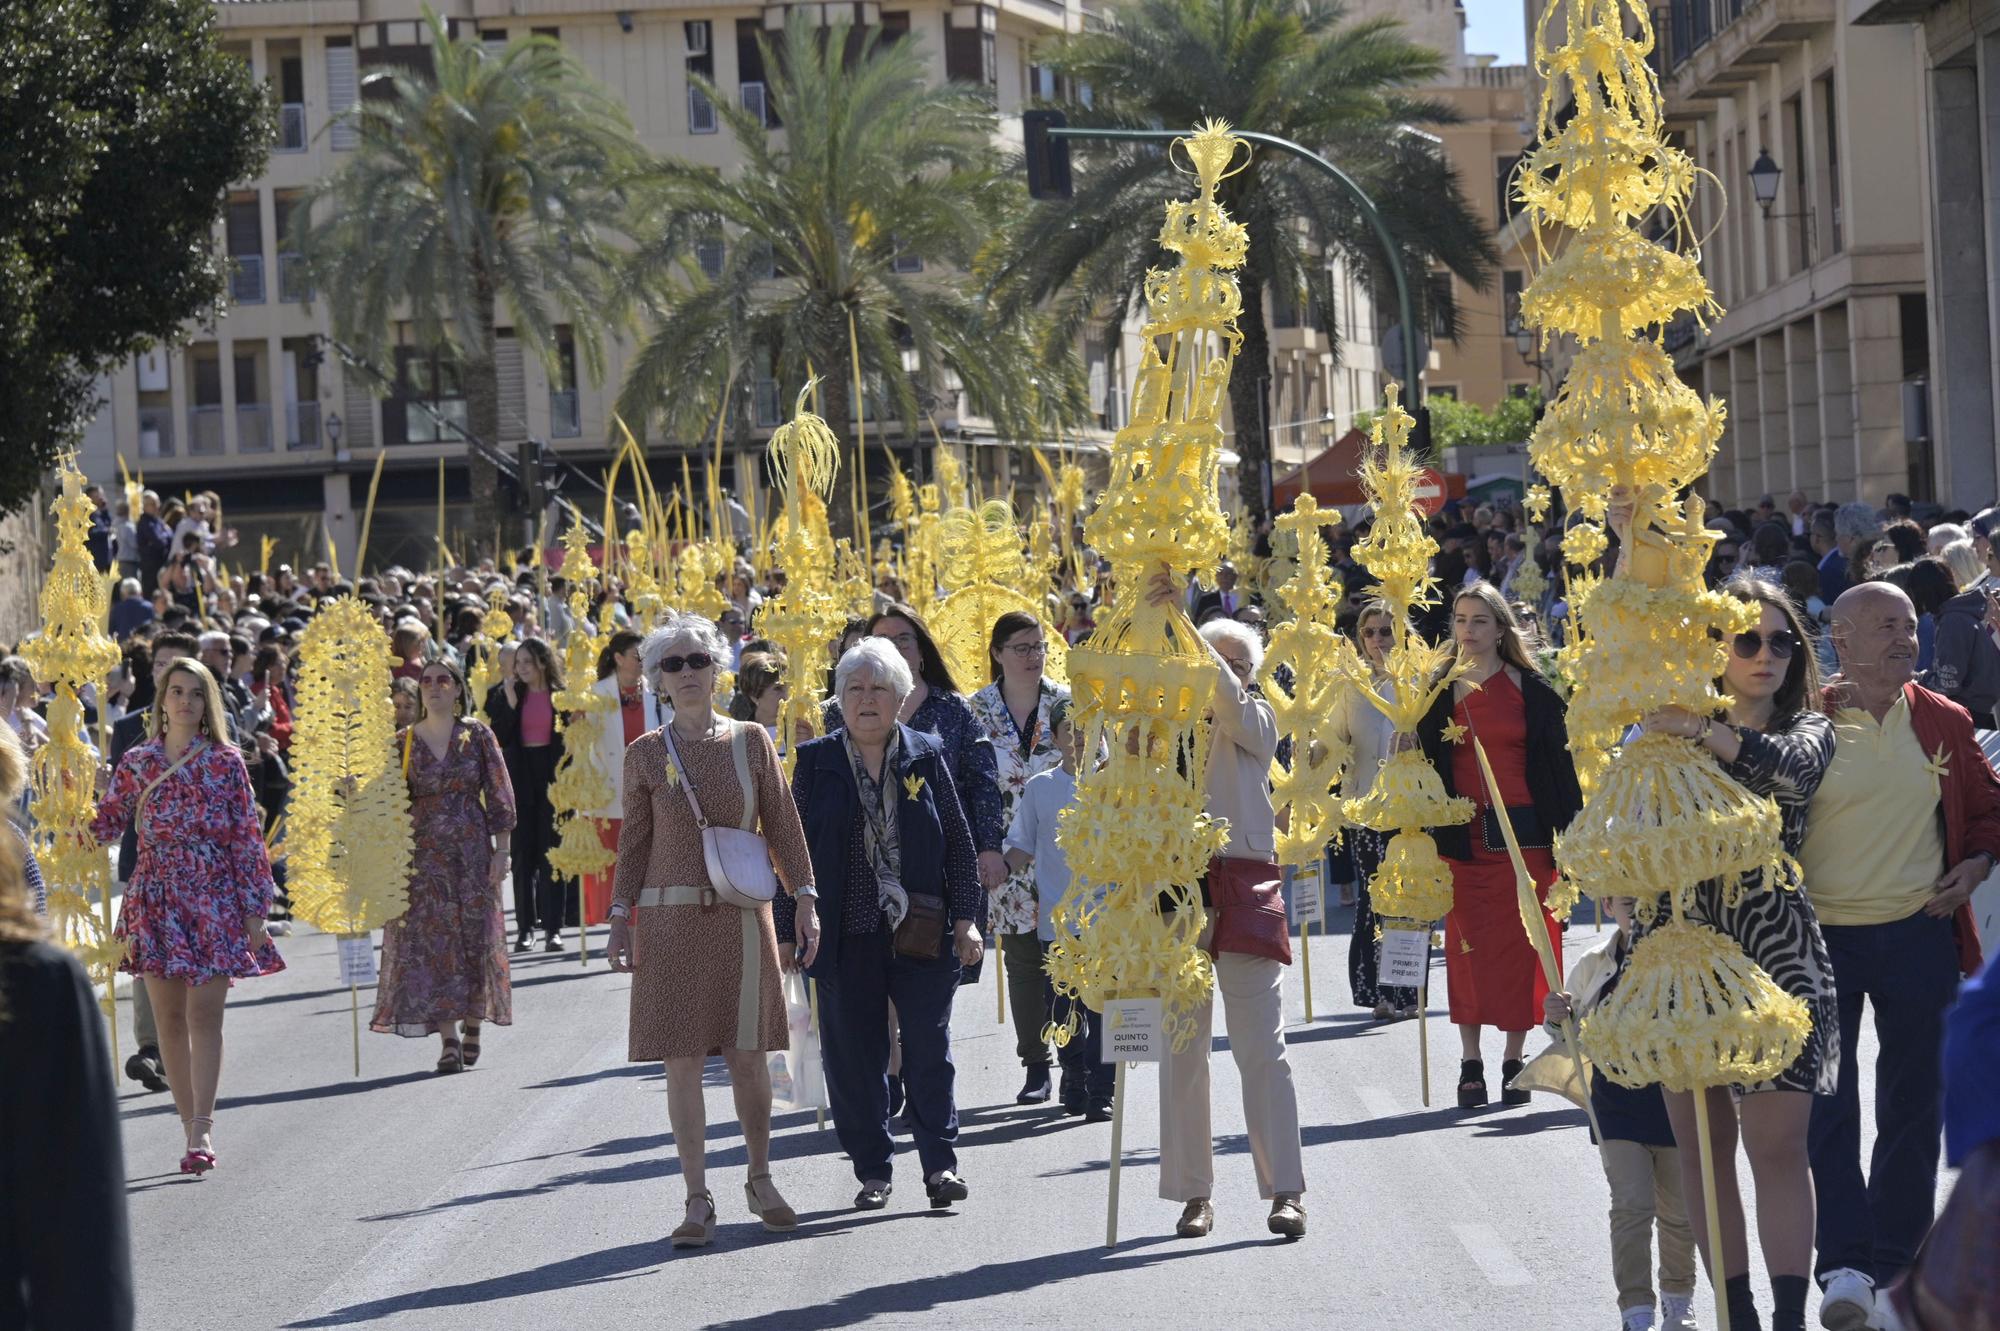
778, 1218
694, 1233
1197, 1219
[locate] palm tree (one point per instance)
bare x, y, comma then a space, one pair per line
858, 213
1293, 68
495, 180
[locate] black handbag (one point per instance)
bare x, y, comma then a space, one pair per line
1529, 833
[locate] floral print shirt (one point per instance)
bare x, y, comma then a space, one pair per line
1017, 755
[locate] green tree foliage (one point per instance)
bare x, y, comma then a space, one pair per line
121, 125
874, 165
1455, 423
495, 180
1294, 68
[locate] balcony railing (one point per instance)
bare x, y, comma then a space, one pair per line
301, 426
156, 432
291, 128
246, 279
253, 427
205, 430
294, 282
564, 422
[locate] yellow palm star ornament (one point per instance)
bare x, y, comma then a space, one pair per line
1307, 711
581, 786
1413, 885
72, 651
807, 614
1145, 681
348, 828
495, 627
1690, 1010
986, 574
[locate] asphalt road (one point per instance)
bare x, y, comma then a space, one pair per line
536, 1190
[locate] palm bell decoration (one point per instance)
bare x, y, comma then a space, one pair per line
581, 787
806, 615
986, 572
1318, 657
1145, 681
495, 627
348, 828
72, 651
1413, 884
1691, 1010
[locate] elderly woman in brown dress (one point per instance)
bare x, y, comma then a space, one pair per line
444, 962
705, 974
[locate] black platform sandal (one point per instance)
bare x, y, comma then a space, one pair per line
1471, 1083
1509, 1093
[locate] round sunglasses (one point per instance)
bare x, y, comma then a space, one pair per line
1782, 643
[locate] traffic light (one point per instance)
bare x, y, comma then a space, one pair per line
1048, 156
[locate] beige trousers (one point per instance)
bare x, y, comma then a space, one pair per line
1253, 1013
1646, 1187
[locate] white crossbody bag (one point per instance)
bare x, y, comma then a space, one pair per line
738, 860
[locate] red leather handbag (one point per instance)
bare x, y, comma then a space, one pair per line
1249, 909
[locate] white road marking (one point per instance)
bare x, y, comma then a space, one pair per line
1492, 1256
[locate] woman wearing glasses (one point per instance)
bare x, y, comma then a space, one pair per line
1370, 732
1774, 740
705, 973
1013, 714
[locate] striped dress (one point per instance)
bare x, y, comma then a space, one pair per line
1777, 929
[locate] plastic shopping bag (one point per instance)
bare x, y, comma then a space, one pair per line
798, 1077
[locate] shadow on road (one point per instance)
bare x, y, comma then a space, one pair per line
300, 1093
594, 1268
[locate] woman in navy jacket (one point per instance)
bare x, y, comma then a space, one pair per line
888, 837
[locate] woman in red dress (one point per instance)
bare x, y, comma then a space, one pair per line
1502, 701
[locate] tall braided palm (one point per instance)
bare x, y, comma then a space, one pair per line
495, 180
872, 165
1294, 68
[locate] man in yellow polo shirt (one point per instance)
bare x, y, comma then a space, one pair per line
1902, 829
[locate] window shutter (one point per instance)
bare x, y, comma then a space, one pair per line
341, 93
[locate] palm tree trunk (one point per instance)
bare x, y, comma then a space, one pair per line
1250, 398
482, 409
836, 406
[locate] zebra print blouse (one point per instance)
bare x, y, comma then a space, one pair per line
1787, 765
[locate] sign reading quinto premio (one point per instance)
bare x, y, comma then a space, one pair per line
1132, 1030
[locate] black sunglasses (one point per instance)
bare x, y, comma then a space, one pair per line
1782, 643
672, 665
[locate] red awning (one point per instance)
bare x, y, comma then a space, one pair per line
1334, 477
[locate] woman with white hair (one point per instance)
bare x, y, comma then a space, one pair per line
898, 877
1242, 741
705, 971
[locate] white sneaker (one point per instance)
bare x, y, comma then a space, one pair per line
1677, 1313
1848, 1303
1637, 1319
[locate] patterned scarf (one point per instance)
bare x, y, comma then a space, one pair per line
881, 835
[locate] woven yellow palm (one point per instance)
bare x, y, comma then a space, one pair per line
987, 574
71, 651
1146, 679
581, 786
348, 829
1306, 711
1413, 885
640, 585
806, 615
495, 626
696, 568
852, 586
1690, 1010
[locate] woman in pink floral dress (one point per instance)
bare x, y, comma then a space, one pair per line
194, 912
444, 962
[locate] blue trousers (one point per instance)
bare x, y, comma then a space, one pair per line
1083, 1056
1907, 971
854, 1029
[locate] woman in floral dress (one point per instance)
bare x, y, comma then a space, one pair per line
195, 908
1013, 714
444, 963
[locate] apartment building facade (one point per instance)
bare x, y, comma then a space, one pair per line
256, 409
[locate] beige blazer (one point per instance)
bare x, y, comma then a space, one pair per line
1241, 745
